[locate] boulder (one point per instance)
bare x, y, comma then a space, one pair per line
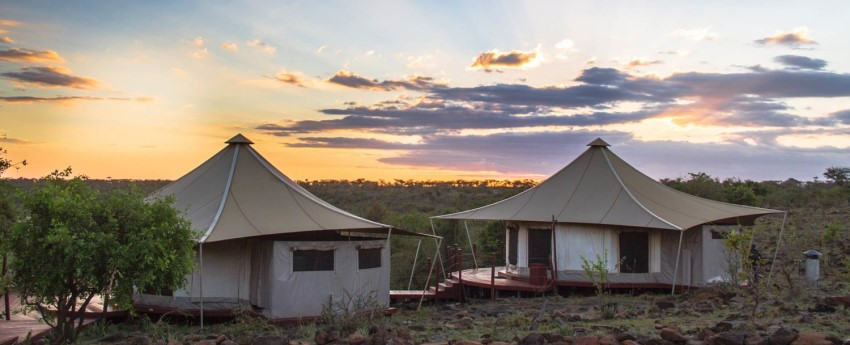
533, 339
464, 342
402, 341
608, 340
629, 342
553, 337
706, 333
220, 339
783, 336
356, 338
664, 305
139, 340
729, 338
588, 340
270, 340
206, 342
673, 335
811, 338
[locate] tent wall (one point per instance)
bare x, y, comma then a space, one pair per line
715, 257
302, 294
574, 241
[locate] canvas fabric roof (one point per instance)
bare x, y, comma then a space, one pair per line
237, 193
599, 187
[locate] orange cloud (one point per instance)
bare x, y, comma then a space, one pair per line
642, 62
8, 22
6, 40
263, 46
488, 61
795, 38
287, 77
61, 99
28, 55
230, 46
51, 77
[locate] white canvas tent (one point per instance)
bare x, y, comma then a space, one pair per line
600, 205
268, 244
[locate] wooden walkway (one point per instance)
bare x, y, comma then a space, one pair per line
29, 323
482, 278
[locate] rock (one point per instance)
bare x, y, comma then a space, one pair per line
629, 342
783, 336
625, 336
402, 341
220, 339
608, 340
755, 339
553, 337
723, 326
695, 342
206, 342
706, 333
403, 332
811, 338
588, 340
533, 339
673, 335
806, 318
321, 337
822, 308
729, 338
226, 342
271, 340
380, 335
465, 342
499, 343
664, 305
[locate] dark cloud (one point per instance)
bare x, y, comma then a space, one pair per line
66, 99
355, 81
28, 55
794, 39
492, 60
800, 62
842, 116
51, 77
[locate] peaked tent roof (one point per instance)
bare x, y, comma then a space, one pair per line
237, 193
599, 187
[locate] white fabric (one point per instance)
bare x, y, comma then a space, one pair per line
302, 294
226, 272
576, 241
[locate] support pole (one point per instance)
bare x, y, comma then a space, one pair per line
438, 257
471, 247
413, 269
678, 256
431, 270
554, 258
493, 278
201, 259
776, 251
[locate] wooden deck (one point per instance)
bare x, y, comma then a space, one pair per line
482, 278
29, 323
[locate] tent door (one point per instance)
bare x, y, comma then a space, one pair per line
634, 251
539, 246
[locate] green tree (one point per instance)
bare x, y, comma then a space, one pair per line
73, 242
838, 175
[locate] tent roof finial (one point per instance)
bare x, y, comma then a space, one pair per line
598, 142
239, 139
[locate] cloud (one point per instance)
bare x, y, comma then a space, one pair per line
28, 55
842, 116
9, 22
320, 49
565, 44
287, 77
66, 99
230, 46
6, 40
699, 34
800, 62
796, 38
262, 46
200, 53
641, 62
51, 77
494, 59
198, 41
349, 79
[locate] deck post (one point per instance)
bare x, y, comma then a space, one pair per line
493, 278
7, 308
459, 258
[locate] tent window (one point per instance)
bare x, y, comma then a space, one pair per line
369, 258
513, 241
312, 260
539, 246
634, 252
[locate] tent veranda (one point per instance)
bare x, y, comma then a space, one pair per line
599, 204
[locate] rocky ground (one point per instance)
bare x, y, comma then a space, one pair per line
711, 317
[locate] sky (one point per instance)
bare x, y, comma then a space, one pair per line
431, 90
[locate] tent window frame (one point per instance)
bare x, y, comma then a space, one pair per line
312, 260
368, 258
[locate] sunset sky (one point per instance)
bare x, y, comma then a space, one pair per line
426, 89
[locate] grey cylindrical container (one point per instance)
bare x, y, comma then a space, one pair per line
812, 266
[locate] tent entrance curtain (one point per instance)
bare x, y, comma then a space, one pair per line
634, 252
539, 246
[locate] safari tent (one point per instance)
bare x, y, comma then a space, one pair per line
269, 245
600, 207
